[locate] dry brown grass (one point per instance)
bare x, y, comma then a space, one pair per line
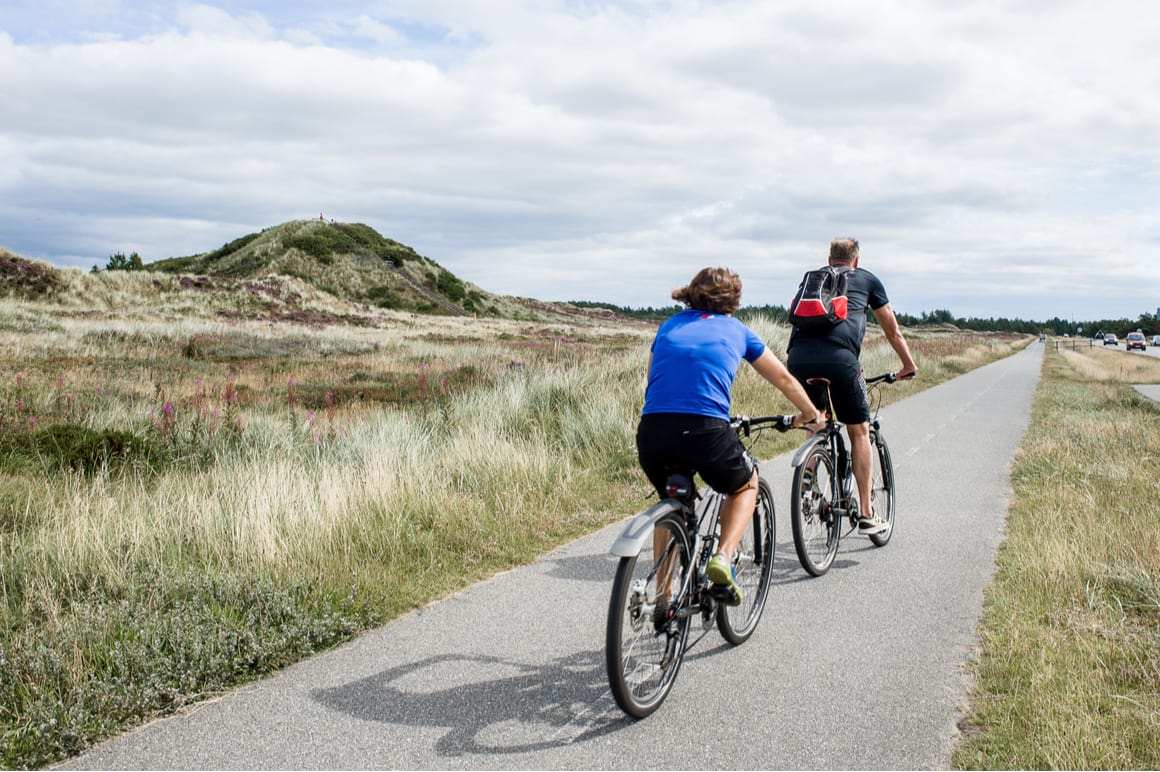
1098, 364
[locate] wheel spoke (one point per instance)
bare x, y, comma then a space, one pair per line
811, 512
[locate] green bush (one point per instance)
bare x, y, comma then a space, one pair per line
315, 245
382, 296
119, 262
451, 286
372, 240
76, 448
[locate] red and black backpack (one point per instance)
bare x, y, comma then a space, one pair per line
820, 301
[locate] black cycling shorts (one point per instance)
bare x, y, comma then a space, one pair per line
677, 442
847, 386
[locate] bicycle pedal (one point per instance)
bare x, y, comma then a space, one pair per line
724, 594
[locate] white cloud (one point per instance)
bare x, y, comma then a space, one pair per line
210, 22
608, 150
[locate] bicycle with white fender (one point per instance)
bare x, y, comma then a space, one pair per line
661, 584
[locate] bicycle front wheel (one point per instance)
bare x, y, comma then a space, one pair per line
646, 630
752, 567
815, 526
882, 486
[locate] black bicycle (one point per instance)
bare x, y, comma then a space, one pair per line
824, 499
661, 584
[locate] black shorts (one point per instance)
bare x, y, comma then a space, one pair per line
676, 442
847, 386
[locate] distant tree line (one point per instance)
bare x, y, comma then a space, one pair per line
1054, 326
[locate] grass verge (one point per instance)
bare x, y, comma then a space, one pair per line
1068, 671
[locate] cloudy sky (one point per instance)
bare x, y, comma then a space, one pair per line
994, 158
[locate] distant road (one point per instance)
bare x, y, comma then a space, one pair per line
859, 669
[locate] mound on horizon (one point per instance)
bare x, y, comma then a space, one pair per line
350, 262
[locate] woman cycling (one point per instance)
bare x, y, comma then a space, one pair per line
684, 426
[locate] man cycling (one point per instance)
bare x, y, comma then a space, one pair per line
833, 354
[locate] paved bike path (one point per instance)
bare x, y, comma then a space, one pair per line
509, 674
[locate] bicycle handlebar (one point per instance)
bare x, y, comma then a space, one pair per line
783, 423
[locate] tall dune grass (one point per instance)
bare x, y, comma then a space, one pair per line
251, 543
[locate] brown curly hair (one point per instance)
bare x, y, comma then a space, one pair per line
716, 290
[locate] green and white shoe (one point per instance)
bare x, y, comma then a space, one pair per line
720, 572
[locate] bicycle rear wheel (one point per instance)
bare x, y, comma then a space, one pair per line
882, 486
644, 650
753, 567
815, 527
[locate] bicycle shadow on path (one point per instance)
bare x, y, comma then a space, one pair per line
466, 704
788, 570
598, 568
514, 708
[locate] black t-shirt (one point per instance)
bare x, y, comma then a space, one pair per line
863, 290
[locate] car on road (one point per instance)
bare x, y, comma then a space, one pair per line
1156, 340
1111, 340
1136, 340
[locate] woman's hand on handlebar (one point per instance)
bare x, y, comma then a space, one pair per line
810, 423
907, 374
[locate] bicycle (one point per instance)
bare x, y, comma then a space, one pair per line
824, 496
661, 582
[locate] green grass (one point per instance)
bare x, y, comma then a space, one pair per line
1068, 673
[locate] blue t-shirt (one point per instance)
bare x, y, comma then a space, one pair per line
695, 357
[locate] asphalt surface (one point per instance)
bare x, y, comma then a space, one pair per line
860, 669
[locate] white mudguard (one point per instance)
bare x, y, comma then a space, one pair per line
630, 541
800, 454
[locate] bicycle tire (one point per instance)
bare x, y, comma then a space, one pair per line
643, 657
753, 569
882, 486
815, 527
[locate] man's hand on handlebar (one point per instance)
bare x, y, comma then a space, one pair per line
906, 375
